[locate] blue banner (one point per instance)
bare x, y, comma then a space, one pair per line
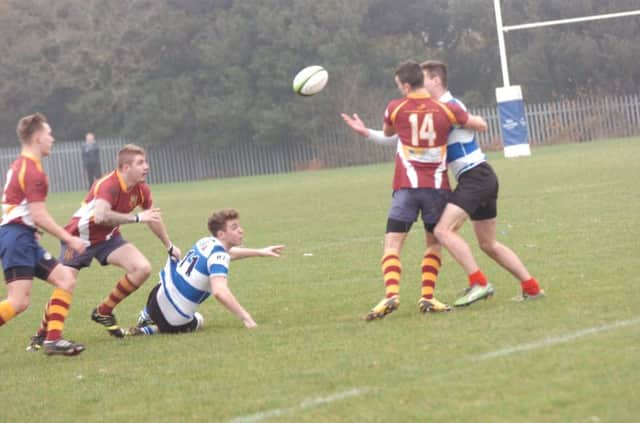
513, 122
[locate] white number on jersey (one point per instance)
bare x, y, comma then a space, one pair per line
424, 131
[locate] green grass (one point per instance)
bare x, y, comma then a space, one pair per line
569, 211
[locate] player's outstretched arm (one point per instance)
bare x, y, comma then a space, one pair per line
476, 123
43, 219
237, 253
371, 134
356, 124
220, 290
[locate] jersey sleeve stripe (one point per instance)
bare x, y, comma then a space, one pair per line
100, 181
396, 110
218, 249
21, 175
218, 270
450, 115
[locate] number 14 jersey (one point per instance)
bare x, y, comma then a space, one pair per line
423, 125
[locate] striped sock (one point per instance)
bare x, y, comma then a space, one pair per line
56, 313
530, 286
391, 270
431, 263
7, 312
477, 278
149, 330
42, 330
122, 290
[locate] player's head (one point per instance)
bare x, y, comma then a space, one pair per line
409, 77
90, 138
435, 76
225, 226
33, 130
132, 161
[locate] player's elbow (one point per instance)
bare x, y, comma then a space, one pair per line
99, 218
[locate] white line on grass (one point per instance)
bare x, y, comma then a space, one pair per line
556, 340
308, 403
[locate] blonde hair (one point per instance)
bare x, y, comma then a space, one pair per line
29, 125
128, 153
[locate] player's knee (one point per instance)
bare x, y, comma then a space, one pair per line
440, 232
20, 302
488, 247
63, 278
141, 270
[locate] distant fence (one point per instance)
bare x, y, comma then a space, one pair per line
336, 146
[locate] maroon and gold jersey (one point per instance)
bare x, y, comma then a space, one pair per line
26, 183
110, 187
423, 125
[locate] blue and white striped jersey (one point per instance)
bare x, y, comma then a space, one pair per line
185, 284
463, 150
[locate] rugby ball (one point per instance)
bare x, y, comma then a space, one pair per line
310, 80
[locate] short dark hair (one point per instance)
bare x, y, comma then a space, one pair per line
218, 220
29, 125
436, 68
410, 73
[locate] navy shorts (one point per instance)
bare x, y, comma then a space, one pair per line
100, 251
407, 203
22, 256
153, 309
477, 192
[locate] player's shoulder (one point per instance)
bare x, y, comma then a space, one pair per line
392, 104
449, 99
209, 245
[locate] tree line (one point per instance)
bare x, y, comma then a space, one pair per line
219, 72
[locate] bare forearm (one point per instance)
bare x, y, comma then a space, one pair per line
227, 299
113, 218
44, 220
238, 253
160, 231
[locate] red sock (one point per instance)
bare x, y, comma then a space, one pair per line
477, 278
530, 287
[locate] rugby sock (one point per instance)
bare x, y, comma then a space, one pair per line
149, 330
122, 290
7, 312
45, 320
530, 286
391, 270
57, 312
430, 268
477, 278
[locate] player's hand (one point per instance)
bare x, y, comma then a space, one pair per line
77, 245
175, 253
150, 215
271, 251
249, 323
356, 124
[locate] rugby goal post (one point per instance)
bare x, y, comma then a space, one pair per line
513, 121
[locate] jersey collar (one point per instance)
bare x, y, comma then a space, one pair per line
30, 156
418, 95
123, 185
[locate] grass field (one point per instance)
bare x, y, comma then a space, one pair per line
569, 211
